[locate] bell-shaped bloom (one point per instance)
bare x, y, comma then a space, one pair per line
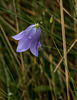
29, 39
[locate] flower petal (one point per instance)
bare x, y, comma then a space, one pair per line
39, 44
35, 43
21, 34
23, 45
34, 49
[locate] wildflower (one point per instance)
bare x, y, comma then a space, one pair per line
29, 39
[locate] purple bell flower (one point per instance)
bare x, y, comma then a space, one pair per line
29, 39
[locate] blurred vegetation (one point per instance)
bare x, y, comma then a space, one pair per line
22, 75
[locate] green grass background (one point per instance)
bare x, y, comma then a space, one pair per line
22, 75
